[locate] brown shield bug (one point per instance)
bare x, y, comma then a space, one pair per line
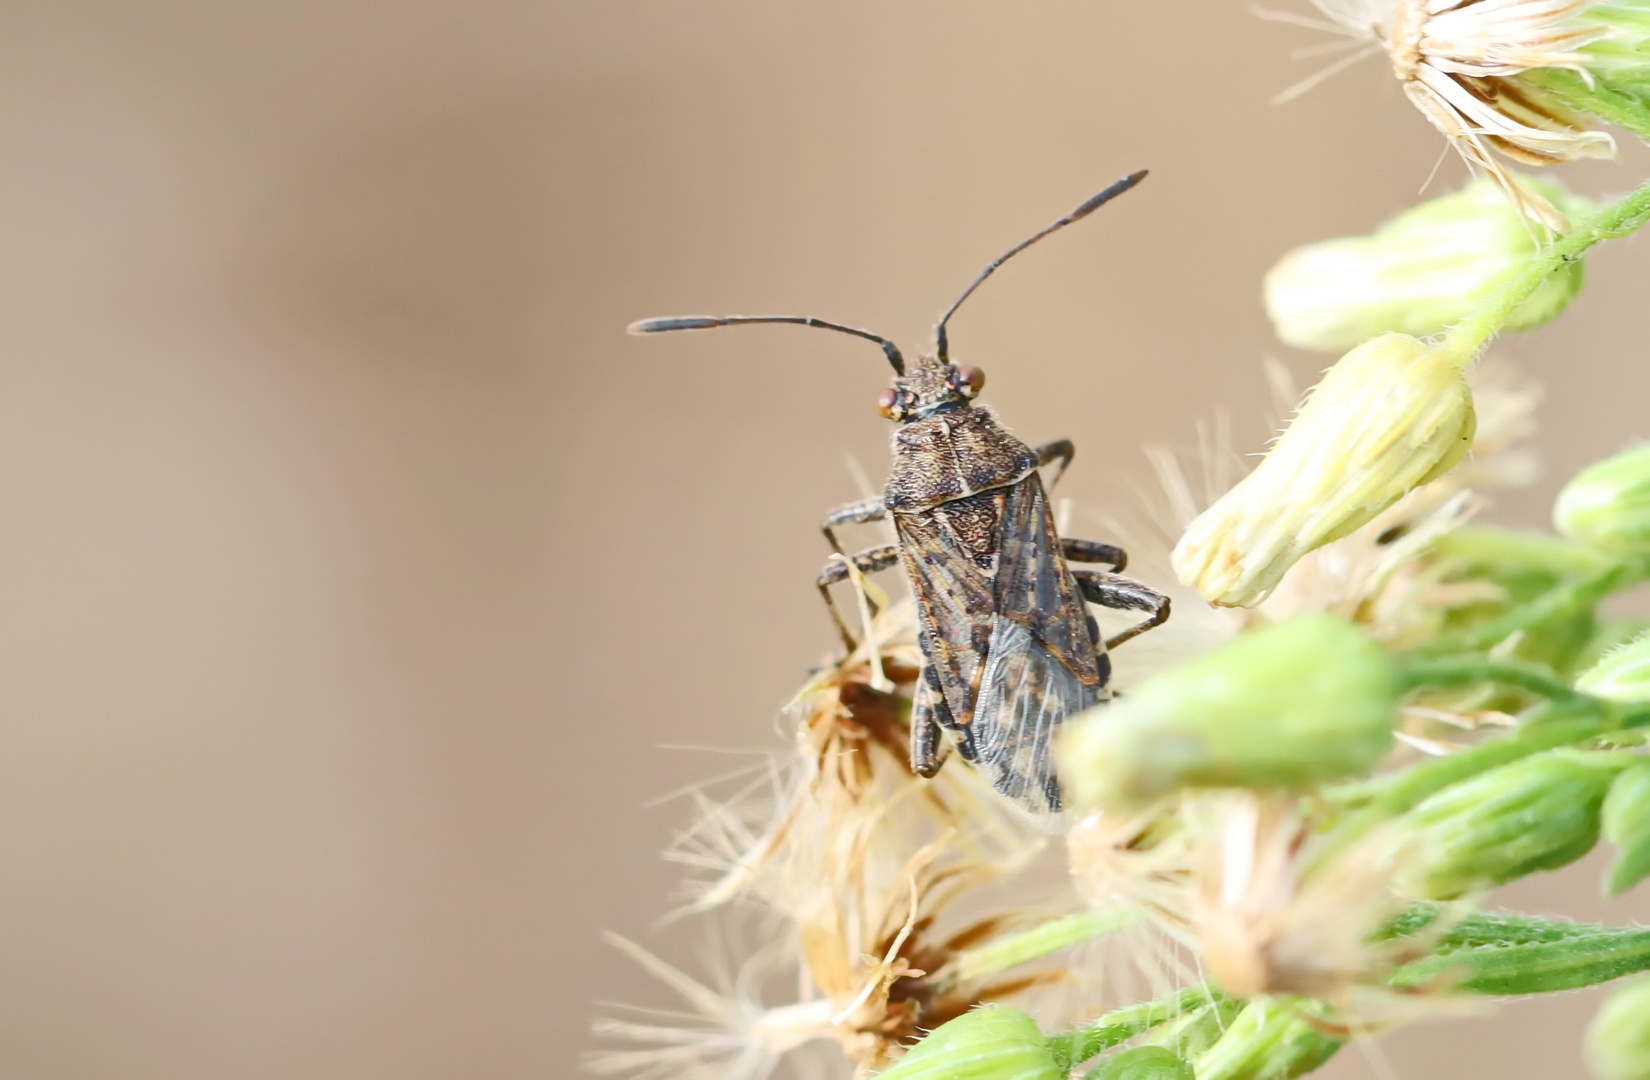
1010, 648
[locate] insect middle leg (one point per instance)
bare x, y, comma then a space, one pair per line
854, 513
868, 561
1123, 594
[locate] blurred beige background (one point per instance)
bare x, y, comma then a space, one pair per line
355, 568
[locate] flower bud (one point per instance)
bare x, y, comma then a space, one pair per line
1287, 706
1536, 814
1391, 415
1618, 1040
1622, 674
1419, 274
1608, 503
1627, 826
1142, 1063
992, 1042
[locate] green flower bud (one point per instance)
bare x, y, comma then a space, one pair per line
1391, 415
1608, 503
1536, 814
1266, 1042
1618, 1040
1288, 706
1142, 1063
1622, 674
1626, 819
1419, 274
992, 1042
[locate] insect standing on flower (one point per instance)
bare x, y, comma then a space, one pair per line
1010, 647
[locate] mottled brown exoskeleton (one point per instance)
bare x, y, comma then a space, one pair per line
1010, 647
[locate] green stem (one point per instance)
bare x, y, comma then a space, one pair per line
1074, 1047
972, 965
1417, 672
1467, 338
1549, 605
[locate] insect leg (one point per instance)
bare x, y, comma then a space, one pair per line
1094, 551
1061, 450
1123, 594
868, 561
854, 513
929, 747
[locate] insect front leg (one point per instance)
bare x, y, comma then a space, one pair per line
1123, 594
1061, 450
854, 513
1094, 551
868, 561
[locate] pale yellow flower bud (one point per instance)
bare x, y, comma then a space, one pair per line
1419, 274
1391, 415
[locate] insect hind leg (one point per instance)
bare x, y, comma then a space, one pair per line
1093, 551
929, 747
1123, 594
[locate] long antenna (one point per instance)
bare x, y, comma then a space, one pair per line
708, 322
1078, 214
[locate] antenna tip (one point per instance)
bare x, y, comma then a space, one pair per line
1107, 195
677, 322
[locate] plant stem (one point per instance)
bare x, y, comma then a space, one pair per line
1033, 943
1549, 605
1417, 672
1467, 338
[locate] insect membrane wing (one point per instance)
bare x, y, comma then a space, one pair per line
1026, 692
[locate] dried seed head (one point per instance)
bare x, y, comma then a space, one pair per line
1262, 929
1459, 62
1393, 414
1419, 274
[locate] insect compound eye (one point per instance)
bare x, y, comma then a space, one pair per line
970, 380
888, 404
